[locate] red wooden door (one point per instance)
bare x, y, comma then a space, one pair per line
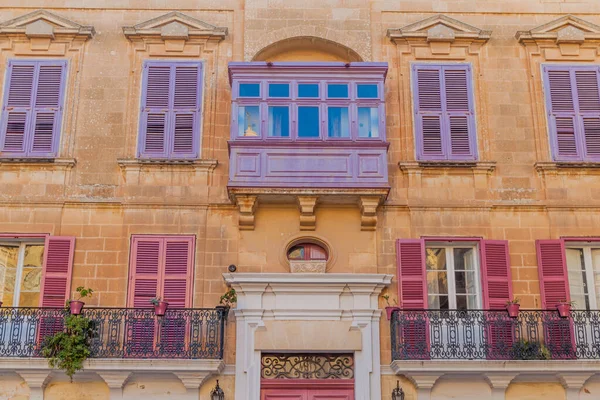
283, 394
305, 389
323, 394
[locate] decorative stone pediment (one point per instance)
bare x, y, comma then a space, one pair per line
174, 26
44, 24
565, 38
443, 35
567, 29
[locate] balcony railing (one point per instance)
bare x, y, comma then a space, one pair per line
494, 335
120, 332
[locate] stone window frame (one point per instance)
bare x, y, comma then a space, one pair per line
41, 35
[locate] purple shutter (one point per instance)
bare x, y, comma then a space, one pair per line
444, 120
32, 112
573, 103
170, 118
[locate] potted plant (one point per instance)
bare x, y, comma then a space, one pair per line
389, 309
564, 307
512, 306
226, 301
530, 350
160, 306
75, 306
70, 347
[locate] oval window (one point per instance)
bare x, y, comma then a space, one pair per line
307, 252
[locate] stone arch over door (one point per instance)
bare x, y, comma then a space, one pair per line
307, 48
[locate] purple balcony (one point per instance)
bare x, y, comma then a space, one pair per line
308, 129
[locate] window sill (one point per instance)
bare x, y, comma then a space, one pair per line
555, 168
49, 163
135, 164
437, 167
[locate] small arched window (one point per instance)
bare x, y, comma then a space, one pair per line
307, 252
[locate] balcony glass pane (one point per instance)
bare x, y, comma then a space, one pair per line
249, 89
31, 276
249, 121
279, 90
368, 122
577, 277
8, 273
339, 123
596, 272
366, 91
308, 122
310, 90
279, 121
337, 91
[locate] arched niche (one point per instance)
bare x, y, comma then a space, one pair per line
307, 48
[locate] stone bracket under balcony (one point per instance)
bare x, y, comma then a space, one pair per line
114, 372
248, 199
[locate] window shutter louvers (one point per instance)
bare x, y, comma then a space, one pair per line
33, 108
552, 269
574, 112
57, 270
495, 274
178, 271
445, 123
145, 270
171, 114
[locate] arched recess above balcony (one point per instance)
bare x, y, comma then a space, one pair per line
306, 48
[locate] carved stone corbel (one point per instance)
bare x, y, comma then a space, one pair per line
308, 219
247, 206
368, 211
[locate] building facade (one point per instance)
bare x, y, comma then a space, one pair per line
375, 179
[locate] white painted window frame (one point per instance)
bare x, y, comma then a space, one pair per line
588, 264
20, 260
449, 249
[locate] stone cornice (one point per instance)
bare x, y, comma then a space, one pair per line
44, 24
134, 164
174, 26
567, 29
439, 28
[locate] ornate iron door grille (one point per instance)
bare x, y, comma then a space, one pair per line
307, 366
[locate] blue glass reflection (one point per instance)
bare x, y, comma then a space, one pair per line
308, 122
279, 90
279, 121
337, 91
249, 89
249, 121
367, 91
338, 124
308, 90
368, 122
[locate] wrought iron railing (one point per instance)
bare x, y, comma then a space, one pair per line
119, 332
494, 335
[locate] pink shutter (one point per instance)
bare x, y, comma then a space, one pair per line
156, 104
57, 270
56, 282
48, 107
17, 107
554, 287
495, 274
177, 284
552, 269
497, 290
186, 107
412, 286
428, 108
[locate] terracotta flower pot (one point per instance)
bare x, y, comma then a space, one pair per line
75, 306
564, 309
161, 308
513, 310
389, 310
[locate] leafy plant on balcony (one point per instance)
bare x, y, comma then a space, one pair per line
228, 298
68, 349
530, 350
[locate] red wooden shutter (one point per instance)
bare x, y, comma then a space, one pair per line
552, 269
497, 290
186, 107
48, 107
554, 287
57, 270
429, 112
17, 107
495, 274
156, 93
412, 286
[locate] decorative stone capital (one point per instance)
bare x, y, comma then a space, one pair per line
35, 379
368, 211
424, 380
247, 207
308, 220
193, 380
573, 380
499, 380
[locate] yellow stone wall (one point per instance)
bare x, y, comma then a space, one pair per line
103, 203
